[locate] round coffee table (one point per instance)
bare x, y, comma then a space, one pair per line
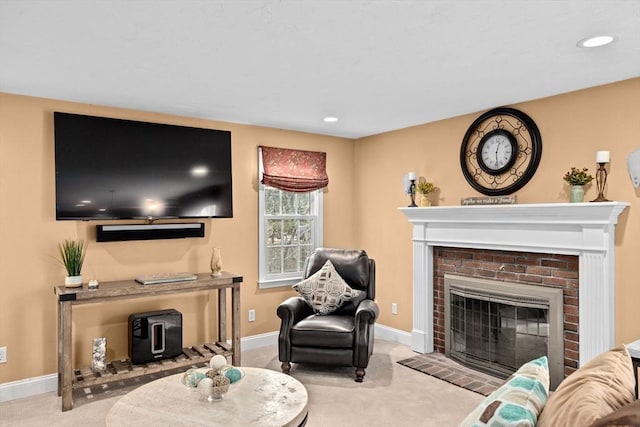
262, 398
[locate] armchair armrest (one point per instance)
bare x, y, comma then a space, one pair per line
367, 312
293, 309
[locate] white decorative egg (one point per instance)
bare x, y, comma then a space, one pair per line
218, 362
205, 386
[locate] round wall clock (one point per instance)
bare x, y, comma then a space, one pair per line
500, 151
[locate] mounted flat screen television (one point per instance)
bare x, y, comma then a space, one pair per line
122, 169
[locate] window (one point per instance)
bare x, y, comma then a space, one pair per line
290, 229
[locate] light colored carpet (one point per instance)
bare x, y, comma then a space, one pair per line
391, 395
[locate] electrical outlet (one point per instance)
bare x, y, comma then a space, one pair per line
3, 354
394, 308
252, 315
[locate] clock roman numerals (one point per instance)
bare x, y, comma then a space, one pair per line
496, 152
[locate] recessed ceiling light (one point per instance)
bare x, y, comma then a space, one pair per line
596, 41
330, 119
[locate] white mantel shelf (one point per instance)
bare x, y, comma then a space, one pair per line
586, 230
545, 213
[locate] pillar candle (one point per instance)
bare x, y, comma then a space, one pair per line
602, 157
412, 175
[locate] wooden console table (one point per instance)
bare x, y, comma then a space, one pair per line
70, 378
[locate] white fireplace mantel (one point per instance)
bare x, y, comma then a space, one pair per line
583, 229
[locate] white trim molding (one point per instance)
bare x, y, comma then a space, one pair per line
392, 334
586, 230
49, 383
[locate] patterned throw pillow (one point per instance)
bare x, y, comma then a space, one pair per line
518, 402
325, 291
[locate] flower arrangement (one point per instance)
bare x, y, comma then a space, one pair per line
578, 176
425, 187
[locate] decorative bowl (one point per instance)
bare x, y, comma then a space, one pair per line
212, 384
212, 392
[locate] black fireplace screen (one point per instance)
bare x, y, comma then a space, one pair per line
496, 336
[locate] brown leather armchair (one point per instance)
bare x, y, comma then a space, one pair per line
342, 338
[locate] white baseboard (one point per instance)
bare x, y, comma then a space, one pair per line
392, 334
28, 387
258, 341
49, 383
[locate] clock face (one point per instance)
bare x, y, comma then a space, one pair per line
497, 151
500, 151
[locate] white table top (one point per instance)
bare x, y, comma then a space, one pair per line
262, 398
634, 349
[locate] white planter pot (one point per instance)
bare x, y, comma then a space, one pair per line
73, 281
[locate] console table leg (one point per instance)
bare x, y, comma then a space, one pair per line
235, 323
66, 373
59, 349
222, 314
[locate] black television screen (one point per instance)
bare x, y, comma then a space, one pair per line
115, 169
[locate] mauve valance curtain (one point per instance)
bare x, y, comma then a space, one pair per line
298, 171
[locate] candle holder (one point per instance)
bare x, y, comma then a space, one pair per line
412, 193
601, 181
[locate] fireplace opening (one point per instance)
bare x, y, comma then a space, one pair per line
496, 327
496, 336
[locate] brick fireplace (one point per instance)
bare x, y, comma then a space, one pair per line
529, 271
567, 245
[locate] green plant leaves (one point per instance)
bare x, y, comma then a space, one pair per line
72, 254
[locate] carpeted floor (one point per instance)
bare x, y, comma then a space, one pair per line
445, 369
391, 395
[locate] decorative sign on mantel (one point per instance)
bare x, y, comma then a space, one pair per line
489, 200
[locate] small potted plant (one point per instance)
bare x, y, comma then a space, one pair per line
72, 253
577, 179
425, 188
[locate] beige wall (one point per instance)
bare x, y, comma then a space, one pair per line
360, 210
29, 235
573, 127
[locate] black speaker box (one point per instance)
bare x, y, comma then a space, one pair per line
124, 232
155, 335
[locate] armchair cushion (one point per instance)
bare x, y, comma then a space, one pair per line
333, 331
325, 291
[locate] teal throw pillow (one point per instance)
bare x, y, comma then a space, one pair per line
518, 402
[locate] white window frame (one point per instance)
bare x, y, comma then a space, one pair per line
265, 280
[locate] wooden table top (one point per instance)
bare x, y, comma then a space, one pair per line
131, 288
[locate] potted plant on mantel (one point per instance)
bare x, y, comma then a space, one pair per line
577, 179
425, 188
72, 254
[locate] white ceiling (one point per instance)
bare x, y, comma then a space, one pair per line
377, 65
